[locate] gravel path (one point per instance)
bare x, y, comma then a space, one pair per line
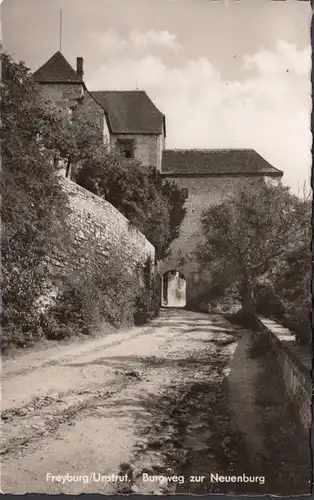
113, 414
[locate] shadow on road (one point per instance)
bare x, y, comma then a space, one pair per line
237, 421
123, 362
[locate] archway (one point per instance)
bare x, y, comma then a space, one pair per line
173, 289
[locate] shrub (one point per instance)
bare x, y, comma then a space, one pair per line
75, 309
35, 136
245, 235
86, 300
286, 296
147, 302
33, 206
153, 205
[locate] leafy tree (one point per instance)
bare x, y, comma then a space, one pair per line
73, 137
246, 235
33, 205
36, 138
175, 202
155, 207
284, 294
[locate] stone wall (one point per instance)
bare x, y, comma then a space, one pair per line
97, 229
68, 95
94, 112
160, 148
63, 95
295, 364
202, 193
148, 148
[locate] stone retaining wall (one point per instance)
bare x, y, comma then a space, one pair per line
295, 364
97, 230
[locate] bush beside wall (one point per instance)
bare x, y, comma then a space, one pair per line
97, 233
98, 275
101, 271
286, 295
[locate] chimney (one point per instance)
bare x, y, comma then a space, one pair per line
79, 67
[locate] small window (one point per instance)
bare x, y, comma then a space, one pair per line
126, 147
185, 192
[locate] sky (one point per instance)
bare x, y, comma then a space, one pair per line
226, 73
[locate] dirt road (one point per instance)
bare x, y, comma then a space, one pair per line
125, 412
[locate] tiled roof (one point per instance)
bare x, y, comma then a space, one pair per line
56, 70
183, 162
130, 112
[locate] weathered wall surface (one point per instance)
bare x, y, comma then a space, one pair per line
97, 229
202, 193
68, 95
95, 113
63, 95
295, 367
160, 148
148, 148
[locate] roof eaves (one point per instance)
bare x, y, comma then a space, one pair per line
57, 82
56, 62
163, 117
263, 159
222, 174
134, 132
207, 150
127, 132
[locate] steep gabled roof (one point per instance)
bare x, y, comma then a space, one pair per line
56, 70
185, 162
130, 112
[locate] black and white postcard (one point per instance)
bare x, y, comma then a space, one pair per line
156, 247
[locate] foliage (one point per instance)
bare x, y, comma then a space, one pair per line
148, 298
73, 137
285, 294
246, 235
175, 202
108, 293
33, 205
151, 204
37, 138
105, 293
154, 206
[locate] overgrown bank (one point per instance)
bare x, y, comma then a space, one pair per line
107, 294
256, 254
56, 282
34, 208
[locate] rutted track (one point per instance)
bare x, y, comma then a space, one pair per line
102, 418
151, 401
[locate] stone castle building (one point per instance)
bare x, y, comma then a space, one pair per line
130, 121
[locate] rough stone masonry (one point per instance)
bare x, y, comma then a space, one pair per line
97, 229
